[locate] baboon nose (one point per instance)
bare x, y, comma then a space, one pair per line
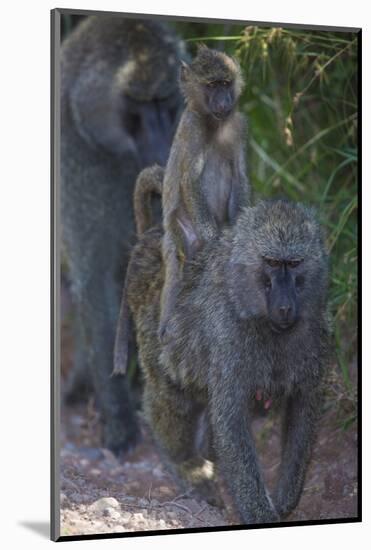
285, 311
283, 318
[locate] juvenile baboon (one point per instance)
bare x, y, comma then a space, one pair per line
119, 106
249, 322
205, 182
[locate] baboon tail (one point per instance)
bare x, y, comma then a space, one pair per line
123, 331
148, 182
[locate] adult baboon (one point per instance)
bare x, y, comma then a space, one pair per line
250, 322
119, 106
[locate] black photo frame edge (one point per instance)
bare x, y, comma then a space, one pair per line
55, 279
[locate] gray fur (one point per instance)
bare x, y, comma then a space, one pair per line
205, 183
119, 105
224, 351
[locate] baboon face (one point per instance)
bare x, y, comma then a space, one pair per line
219, 98
212, 83
269, 288
151, 124
148, 84
277, 269
283, 280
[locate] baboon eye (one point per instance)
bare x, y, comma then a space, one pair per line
225, 83
294, 263
273, 263
133, 124
267, 284
211, 84
299, 282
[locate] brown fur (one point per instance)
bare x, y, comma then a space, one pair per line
205, 183
148, 182
224, 353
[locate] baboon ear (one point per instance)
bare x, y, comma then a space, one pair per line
184, 71
191, 241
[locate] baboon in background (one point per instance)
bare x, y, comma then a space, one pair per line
205, 183
119, 108
250, 323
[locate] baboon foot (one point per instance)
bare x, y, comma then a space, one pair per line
282, 506
76, 392
120, 436
199, 473
207, 490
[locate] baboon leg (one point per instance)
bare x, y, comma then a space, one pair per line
173, 419
112, 393
299, 428
78, 384
170, 289
235, 448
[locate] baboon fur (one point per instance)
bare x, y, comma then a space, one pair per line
119, 106
148, 184
205, 183
224, 353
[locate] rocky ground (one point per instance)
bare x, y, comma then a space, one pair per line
101, 494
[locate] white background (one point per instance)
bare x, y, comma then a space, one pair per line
24, 249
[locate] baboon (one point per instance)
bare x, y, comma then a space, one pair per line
205, 182
250, 323
119, 108
149, 183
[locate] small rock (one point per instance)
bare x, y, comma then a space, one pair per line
111, 513
139, 517
103, 503
162, 524
126, 516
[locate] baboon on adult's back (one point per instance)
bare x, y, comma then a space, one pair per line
205, 182
119, 107
249, 323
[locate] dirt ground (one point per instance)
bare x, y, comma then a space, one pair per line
103, 494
